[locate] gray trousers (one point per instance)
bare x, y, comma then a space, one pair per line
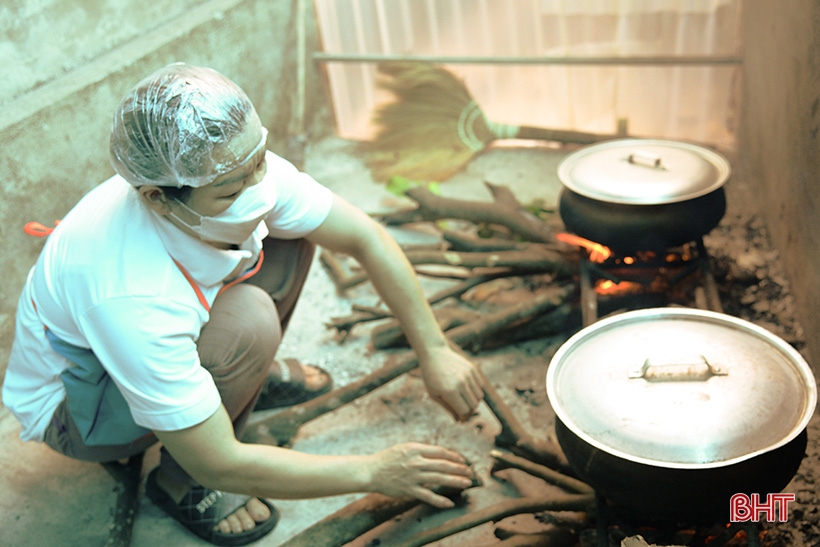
236, 346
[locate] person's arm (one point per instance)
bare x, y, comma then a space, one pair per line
450, 378
212, 455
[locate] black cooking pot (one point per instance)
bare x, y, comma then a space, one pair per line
650, 493
642, 194
668, 412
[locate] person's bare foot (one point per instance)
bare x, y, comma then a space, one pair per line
315, 377
243, 519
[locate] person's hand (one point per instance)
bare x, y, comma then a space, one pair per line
414, 469
453, 381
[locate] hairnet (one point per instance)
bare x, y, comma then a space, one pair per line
175, 127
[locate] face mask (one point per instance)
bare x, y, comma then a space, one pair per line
238, 222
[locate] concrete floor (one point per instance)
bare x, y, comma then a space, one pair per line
51, 500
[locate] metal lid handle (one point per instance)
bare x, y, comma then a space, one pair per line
677, 372
647, 159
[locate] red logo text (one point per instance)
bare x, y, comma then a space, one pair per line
744, 508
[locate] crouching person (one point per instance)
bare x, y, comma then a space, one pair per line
156, 307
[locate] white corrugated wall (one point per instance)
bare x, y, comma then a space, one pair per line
552, 86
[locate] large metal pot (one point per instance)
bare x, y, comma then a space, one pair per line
668, 412
642, 194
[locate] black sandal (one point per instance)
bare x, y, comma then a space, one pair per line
288, 387
202, 508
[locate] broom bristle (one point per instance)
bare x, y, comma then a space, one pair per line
431, 130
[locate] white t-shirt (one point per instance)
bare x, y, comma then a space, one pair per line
106, 280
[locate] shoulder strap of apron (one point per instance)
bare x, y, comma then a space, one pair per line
201, 297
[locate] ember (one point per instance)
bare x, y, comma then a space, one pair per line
608, 287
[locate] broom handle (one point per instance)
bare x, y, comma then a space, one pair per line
561, 135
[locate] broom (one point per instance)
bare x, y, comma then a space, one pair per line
434, 127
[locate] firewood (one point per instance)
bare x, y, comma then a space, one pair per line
351, 521
574, 502
536, 259
465, 285
504, 210
536, 470
558, 537
459, 241
341, 279
554, 528
572, 521
364, 315
514, 437
361, 516
281, 427
490, 323
560, 322
360, 315
390, 334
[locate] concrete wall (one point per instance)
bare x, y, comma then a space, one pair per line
43, 40
70, 63
779, 141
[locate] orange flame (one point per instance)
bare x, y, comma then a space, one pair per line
607, 287
597, 252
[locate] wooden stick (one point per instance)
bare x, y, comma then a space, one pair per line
337, 273
391, 334
363, 314
572, 522
533, 259
360, 315
375, 311
432, 207
359, 517
558, 537
561, 322
352, 521
281, 427
464, 243
540, 471
570, 502
514, 437
464, 286
461, 242
563, 319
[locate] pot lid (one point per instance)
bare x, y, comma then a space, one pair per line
682, 388
643, 171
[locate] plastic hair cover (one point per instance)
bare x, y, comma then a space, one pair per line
175, 128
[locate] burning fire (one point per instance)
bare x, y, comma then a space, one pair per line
607, 287
597, 252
